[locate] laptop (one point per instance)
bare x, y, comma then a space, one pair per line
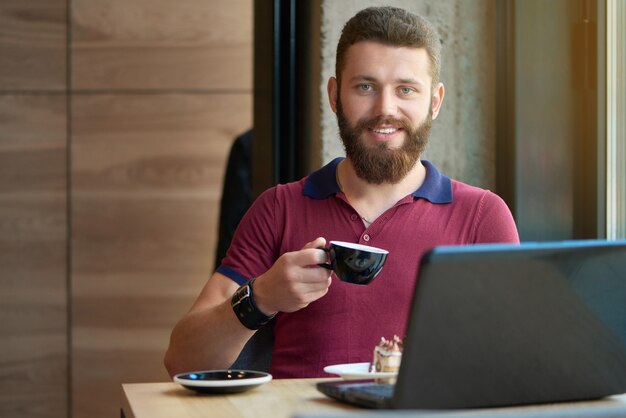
503, 325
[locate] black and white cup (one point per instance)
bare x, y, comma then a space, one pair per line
354, 263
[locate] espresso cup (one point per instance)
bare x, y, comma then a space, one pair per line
354, 263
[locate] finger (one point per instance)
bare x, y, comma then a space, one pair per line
317, 242
314, 290
308, 257
313, 275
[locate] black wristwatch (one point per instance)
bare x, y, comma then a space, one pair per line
246, 310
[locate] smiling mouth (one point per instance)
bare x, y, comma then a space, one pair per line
385, 130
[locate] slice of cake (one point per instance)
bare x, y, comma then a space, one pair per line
387, 355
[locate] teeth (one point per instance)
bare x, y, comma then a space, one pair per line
385, 130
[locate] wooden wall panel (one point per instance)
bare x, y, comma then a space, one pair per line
162, 44
33, 256
146, 182
32, 44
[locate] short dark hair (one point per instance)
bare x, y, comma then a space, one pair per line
394, 27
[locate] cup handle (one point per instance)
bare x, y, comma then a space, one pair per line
327, 266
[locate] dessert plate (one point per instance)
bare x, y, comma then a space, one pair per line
353, 371
222, 381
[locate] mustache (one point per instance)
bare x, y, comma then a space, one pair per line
371, 123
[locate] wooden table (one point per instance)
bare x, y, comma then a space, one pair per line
284, 398
276, 399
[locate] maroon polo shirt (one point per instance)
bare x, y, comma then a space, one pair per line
345, 324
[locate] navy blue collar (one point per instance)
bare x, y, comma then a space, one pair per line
322, 183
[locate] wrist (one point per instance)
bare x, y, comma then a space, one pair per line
245, 308
258, 299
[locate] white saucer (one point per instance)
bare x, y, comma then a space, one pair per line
352, 371
222, 381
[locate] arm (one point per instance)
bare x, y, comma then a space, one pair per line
210, 336
495, 223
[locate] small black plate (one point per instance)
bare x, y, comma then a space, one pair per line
222, 381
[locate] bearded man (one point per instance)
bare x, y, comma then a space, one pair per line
386, 94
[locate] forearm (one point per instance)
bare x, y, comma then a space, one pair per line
206, 339
211, 336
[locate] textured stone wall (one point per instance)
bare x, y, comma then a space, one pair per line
462, 142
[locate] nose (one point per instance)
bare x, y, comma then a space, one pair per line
386, 104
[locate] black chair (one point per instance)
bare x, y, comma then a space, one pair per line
236, 199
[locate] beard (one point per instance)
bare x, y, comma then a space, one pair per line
380, 164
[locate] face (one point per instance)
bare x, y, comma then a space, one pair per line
385, 106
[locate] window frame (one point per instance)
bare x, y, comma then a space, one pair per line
615, 119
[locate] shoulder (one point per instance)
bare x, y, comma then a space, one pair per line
283, 192
318, 185
288, 196
492, 220
464, 193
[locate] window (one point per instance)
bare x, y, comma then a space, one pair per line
561, 122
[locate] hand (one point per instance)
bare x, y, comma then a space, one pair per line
294, 281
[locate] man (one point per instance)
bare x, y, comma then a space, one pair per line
386, 94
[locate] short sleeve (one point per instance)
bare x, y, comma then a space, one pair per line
253, 248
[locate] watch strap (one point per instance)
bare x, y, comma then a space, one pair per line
246, 310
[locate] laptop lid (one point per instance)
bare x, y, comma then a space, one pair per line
497, 325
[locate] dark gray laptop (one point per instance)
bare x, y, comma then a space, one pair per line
502, 325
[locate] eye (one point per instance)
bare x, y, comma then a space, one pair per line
405, 91
365, 87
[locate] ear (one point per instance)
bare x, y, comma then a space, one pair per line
438, 93
332, 93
